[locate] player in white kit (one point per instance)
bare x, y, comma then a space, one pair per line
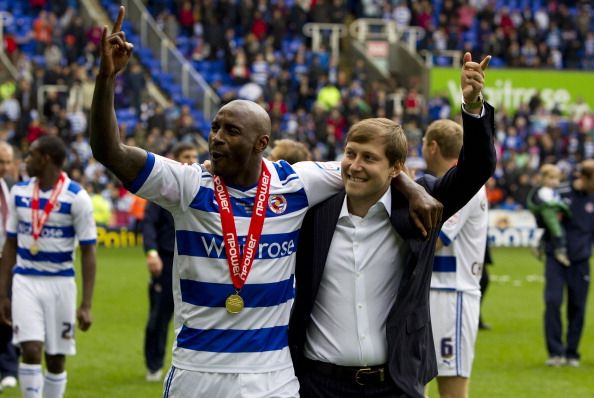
49, 216
455, 288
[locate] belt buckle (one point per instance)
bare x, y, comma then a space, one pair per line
367, 371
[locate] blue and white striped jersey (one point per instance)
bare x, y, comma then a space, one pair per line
71, 220
208, 338
458, 265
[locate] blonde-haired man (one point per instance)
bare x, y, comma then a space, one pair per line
455, 283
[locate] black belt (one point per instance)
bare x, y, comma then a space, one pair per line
363, 376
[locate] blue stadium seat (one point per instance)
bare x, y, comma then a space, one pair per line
144, 52
125, 113
173, 89
163, 77
184, 101
497, 62
201, 66
224, 89
196, 114
39, 60
152, 64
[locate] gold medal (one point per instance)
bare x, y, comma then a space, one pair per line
234, 304
34, 249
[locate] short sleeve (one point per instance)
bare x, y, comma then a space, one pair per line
166, 182
83, 221
453, 225
320, 179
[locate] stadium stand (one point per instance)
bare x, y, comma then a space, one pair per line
257, 50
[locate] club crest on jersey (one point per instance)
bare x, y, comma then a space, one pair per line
277, 204
589, 207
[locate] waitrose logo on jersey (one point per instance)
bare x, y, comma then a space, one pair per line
214, 248
508, 88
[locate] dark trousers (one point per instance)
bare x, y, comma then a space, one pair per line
9, 353
576, 279
484, 283
315, 385
160, 313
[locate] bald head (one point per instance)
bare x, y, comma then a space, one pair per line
239, 134
256, 115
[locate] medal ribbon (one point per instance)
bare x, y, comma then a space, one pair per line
38, 222
239, 267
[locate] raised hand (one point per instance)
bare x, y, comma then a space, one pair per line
472, 79
115, 50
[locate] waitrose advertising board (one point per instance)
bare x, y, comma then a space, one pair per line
507, 88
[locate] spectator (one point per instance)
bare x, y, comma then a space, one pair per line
548, 208
570, 280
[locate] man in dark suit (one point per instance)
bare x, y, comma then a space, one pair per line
360, 324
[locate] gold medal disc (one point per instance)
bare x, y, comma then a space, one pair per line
234, 304
34, 249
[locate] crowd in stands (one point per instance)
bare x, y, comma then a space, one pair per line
256, 49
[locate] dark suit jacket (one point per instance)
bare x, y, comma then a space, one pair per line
411, 356
158, 230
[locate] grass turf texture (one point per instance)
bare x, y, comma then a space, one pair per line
509, 358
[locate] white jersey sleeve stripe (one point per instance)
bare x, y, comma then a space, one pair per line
139, 181
444, 238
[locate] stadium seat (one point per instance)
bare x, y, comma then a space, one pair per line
39, 60
497, 62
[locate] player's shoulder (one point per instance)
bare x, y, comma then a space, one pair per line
282, 169
74, 187
22, 185
312, 167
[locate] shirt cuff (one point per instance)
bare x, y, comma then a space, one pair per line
474, 114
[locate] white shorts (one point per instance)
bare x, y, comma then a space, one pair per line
44, 309
181, 383
455, 318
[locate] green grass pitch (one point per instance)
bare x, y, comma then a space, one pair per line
509, 358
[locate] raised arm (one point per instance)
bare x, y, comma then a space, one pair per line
476, 162
124, 161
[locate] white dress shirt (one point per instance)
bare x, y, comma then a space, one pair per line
358, 287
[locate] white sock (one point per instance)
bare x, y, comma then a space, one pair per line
30, 380
54, 385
